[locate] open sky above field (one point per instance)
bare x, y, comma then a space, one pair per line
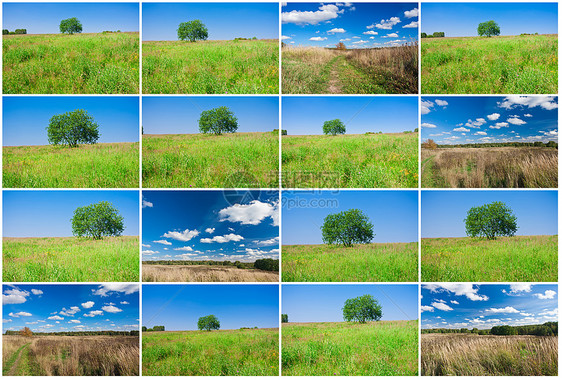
466, 305
224, 21
443, 212
25, 119
462, 19
170, 115
45, 18
323, 303
50, 308
306, 115
178, 307
48, 213
394, 214
478, 119
210, 225
357, 25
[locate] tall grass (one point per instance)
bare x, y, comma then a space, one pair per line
509, 259
497, 65
71, 64
204, 273
350, 349
99, 165
377, 262
488, 355
350, 161
72, 259
210, 67
248, 352
199, 160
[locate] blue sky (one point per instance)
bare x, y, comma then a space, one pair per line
323, 303
210, 225
168, 115
25, 119
52, 308
357, 25
490, 119
443, 212
305, 115
42, 18
178, 307
224, 21
394, 214
465, 305
48, 213
462, 19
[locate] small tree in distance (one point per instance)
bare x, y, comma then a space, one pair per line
334, 127
70, 26
340, 46
362, 309
347, 228
284, 318
490, 220
218, 121
488, 29
97, 220
72, 128
193, 31
26, 331
208, 323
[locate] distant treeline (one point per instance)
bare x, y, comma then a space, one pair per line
434, 35
155, 328
550, 144
263, 264
17, 31
546, 329
78, 333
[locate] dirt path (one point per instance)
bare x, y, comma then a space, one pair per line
334, 84
12, 370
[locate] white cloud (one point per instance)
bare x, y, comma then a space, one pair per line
461, 129
499, 125
146, 245
345, 39
209, 230
6, 320
442, 103
14, 296
528, 115
467, 290
428, 125
285, 38
391, 35
107, 288
186, 248
426, 308
480, 133
318, 38
454, 302
93, 313
111, 309
518, 288
222, 239
124, 303
359, 42
149, 252
88, 305
371, 32
56, 317
336, 30
494, 116
36, 292
20, 314
74, 321
504, 310
185, 235
413, 13
165, 242
545, 102
146, 203
253, 213
549, 312
548, 295
413, 24
264, 243
385, 24
69, 312
441, 306
324, 13
515, 120
425, 106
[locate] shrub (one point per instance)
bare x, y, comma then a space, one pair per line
362, 309
21, 31
424, 35
70, 26
267, 264
97, 220
193, 31
334, 127
218, 120
347, 228
438, 34
490, 220
72, 128
5, 31
26, 331
284, 318
208, 323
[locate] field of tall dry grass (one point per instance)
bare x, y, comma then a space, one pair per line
502, 167
480, 355
204, 273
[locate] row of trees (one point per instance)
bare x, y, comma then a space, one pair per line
546, 329
434, 35
155, 328
17, 31
430, 144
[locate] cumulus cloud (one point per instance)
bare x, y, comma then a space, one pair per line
413, 13
359, 42
499, 125
74, 321
454, 302
427, 308
56, 318
442, 103
124, 303
494, 116
285, 38
146, 203
336, 30
112, 287
186, 248
413, 24
519, 288
504, 310
548, 295
426, 106
165, 242
93, 313
468, 290
253, 213
515, 120
149, 252
264, 243
20, 314
111, 309
371, 32
441, 306
14, 296
70, 311
391, 35
318, 38
222, 239
324, 13
185, 235
461, 129
209, 230
88, 305
528, 115
480, 133
385, 24
545, 102
428, 125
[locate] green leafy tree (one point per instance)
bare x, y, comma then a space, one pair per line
490, 220
347, 228
284, 318
72, 128
218, 120
192, 30
97, 220
70, 26
362, 309
267, 264
488, 29
334, 127
208, 323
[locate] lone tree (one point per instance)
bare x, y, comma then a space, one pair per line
340, 46
192, 30
26, 331
70, 26
347, 228
218, 120
284, 318
334, 127
208, 323
97, 220
488, 29
362, 309
72, 128
490, 220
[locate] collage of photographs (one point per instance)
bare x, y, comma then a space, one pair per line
279, 188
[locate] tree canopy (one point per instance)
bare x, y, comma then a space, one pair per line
490, 220
208, 323
347, 228
97, 220
488, 29
70, 26
362, 309
218, 121
193, 31
72, 128
334, 127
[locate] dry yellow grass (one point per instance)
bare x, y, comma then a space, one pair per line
204, 273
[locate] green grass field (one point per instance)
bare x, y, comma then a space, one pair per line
200, 160
495, 65
100, 165
248, 352
509, 259
210, 67
93, 63
70, 259
376, 262
350, 161
350, 349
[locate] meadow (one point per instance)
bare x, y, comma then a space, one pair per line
110, 165
350, 161
375, 262
509, 259
490, 167
202, 160
497, 65
244, 352
204, 273
314, 70
488, 355
70, 259
210, 67
384, 348
70, 355
93, 63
